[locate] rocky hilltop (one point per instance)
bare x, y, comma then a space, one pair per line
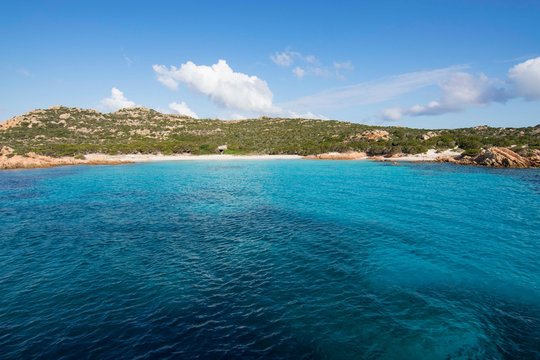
66, 135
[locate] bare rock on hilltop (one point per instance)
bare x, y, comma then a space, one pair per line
375, 135
429, 135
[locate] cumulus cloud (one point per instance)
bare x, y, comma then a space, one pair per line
116, 101
225, 87
248, 96
183, 109
525, 77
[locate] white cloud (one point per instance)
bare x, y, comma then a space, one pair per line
319, 71
127, 59
183, 109
165, 76
116, 101
526, 78
236, 116
463, 90
284, 58
281, 113
299, 72
346, 65
229, 89
310, 59
372, 92
392, 114
460, 91
304, 115
310, 64
287, 58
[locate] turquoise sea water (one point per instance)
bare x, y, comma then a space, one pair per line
270, 259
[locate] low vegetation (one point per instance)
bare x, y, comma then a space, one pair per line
61, 131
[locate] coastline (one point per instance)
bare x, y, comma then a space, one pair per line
135, 158
33, 161
429, 156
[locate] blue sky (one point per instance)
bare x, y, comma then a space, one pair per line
429, 64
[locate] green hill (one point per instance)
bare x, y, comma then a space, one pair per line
59, 131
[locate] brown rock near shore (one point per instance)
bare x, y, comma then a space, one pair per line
501, 157
498, 157
351, 155
31, 160
534, 159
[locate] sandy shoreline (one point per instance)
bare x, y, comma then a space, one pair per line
431, 155
183, 157
32, 161
493, 157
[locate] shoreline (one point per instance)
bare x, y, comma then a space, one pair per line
137, 158
34, 161
429, 156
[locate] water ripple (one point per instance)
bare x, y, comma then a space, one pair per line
289, 259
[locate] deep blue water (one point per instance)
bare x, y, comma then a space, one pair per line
270, 259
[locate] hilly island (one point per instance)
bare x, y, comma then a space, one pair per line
67, 136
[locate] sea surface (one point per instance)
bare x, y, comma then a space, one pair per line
289, 259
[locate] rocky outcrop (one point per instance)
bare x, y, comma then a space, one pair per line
498, 157
135, 111
501, 157
351, 155
481, 128
373, 135
11, 123
8, 160
376, 135
534, 158
429, 135
6, 151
